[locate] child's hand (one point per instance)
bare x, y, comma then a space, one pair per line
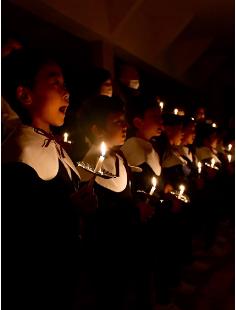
86, 200
145, 210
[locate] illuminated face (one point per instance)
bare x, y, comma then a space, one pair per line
189, 134
50, 99
151, 124
106, 88
115, 130
174, 134
213, 140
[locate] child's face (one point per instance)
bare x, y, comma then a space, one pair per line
115, 130
189, 134
175, 134
50, 99
151, 124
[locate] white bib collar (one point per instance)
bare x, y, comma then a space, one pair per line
138, 151
29, 147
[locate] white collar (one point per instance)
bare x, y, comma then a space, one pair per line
26, 146
117, 184
204, 153
184, 151
172, 158
138, 151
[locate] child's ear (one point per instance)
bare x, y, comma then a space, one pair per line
97, 132
23, 94
137, 122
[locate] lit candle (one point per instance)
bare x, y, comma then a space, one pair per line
176, 111
229, 156
154, 184
213, 162
161, 104
181, 190
192, 118
101, 158
229, 147
199, 167
214, 125
66, 135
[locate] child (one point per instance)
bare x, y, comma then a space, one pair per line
104, 120
40, 233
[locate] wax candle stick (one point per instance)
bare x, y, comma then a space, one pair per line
154, 184
101, 158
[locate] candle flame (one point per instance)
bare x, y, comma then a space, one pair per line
103, 149
213, 162
176, 111
154, 181
181, 189
214, 125
66, 135
161, 104
229, 147
229, 157
199, 165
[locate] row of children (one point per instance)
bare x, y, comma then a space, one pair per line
64, 226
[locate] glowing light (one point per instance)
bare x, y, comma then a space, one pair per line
66, 135
176, 111
154, 184
101, 158
199, 167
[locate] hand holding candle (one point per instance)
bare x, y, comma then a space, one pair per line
101, 158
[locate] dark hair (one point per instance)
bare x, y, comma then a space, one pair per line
140, 105
172, 120
205, 131
20, 69
92, 81
96, 110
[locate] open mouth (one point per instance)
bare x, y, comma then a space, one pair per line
63, 109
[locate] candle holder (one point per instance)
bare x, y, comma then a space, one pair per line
212, 167
182, 197
101, 173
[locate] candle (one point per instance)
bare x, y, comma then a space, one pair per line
213, 162
161, 104
66, 135
101, 158
181, 190
229, 147
199, 167
176, 111
154, 184
229, 156
214, 125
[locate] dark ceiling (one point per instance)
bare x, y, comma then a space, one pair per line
191, 41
